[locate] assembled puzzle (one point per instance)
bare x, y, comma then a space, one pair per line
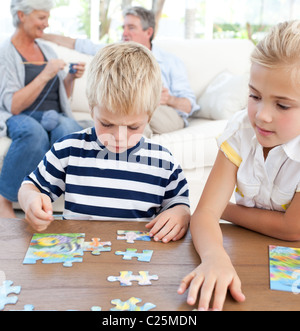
55, 248
64, 248
284, 269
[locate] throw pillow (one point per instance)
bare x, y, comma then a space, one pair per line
225, 95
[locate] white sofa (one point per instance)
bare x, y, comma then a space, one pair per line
195, 146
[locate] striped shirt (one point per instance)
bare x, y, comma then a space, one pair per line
135, 185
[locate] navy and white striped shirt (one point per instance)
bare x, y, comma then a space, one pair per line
135, 185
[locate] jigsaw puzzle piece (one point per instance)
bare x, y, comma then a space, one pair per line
126, 278
131, 305
7, 289
131, 236
96, 246
145, 279
145, 256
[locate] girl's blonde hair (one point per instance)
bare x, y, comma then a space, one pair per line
281, 47
125, 78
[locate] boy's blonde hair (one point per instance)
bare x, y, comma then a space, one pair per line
280, 48
125, 78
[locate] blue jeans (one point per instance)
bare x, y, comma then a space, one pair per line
30, 143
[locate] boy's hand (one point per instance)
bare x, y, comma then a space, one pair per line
172, 224
39, 212
214, 276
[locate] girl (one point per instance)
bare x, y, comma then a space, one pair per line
259, 155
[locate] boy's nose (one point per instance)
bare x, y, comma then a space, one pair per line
121, 134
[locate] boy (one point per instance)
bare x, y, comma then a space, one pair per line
111, 172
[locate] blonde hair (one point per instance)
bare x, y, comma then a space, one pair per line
281, 47
125, 78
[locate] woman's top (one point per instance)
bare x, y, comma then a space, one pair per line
13, 79
51, 90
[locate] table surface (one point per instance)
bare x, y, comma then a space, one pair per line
54, 287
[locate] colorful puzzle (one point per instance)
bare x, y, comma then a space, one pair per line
284, 269
96, 246
55, 248
131, 236
62, 248
126, 278
130, 253
131, 305
5, 290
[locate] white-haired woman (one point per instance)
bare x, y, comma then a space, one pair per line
34, 92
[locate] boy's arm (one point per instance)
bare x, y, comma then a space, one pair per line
173, 222
37, 207
283, 226
216, 272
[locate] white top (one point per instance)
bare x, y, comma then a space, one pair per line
267, 184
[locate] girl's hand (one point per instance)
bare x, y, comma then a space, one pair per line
214, 276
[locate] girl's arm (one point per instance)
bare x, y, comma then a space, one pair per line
283, 226
216, 272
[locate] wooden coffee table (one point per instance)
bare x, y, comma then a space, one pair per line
54, 287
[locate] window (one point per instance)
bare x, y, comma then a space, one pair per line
180, 18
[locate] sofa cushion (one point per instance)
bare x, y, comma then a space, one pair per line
225, 95
205, 59
195, 146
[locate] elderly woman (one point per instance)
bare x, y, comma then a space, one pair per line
34, 92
